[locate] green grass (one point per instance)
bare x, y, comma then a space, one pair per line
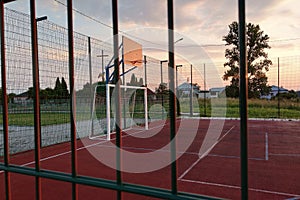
257, 108
27, 119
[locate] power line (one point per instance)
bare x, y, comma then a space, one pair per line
85, 15
104, 24
216, 45
192, 45
203, 45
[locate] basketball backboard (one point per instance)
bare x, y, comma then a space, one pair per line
132, 52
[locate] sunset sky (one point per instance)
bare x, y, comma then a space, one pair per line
199, 22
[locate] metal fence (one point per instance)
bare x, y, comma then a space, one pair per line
60, 55
53, 67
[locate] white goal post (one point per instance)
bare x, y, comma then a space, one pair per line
127, 116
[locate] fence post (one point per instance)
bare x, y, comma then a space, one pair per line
243, 100
36, 99
118, 95
145, 65
161, 84
204, 90
72, 98
278, 89
191, 92
124, 83
91, 82
4, 105
172, 104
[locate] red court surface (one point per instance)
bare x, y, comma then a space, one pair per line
273, 150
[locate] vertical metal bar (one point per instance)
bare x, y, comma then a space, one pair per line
145, 68
123, 62
172, 98
162, 96
123, 92
91, 83
176, 77
4, 105
146, 93
243, 100
146, 108
107, 75
204, 90
191, 92
36, 99
161, 72
37, 20
278, 91
108, 111
102, 59
177, 90
72, 99
118, 96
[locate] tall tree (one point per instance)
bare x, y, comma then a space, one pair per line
57, 89
134, 81
64, 88
57, 85
257, 60
61, 89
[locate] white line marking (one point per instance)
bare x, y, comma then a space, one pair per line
209, 183
294, 198
284, 154
238, 187
267, 146
272, 192
57, 155
84, 147
204, 154
209, 149
232, 156
189, 169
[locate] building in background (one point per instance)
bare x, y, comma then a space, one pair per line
217, 92
274, 92
184, 89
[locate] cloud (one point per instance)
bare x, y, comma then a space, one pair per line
257, 10
99, 9
204, 21
146, 12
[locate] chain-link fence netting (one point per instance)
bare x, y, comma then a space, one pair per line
198, 85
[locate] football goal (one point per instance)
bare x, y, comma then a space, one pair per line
134, 110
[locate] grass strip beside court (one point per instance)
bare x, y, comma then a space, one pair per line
27, 119
257, 108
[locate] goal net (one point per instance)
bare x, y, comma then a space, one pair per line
134, 110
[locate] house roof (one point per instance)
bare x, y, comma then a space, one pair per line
217, 89
275, 88
24, 94
186, 85
7, 1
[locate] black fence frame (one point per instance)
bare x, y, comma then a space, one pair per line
119, 186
